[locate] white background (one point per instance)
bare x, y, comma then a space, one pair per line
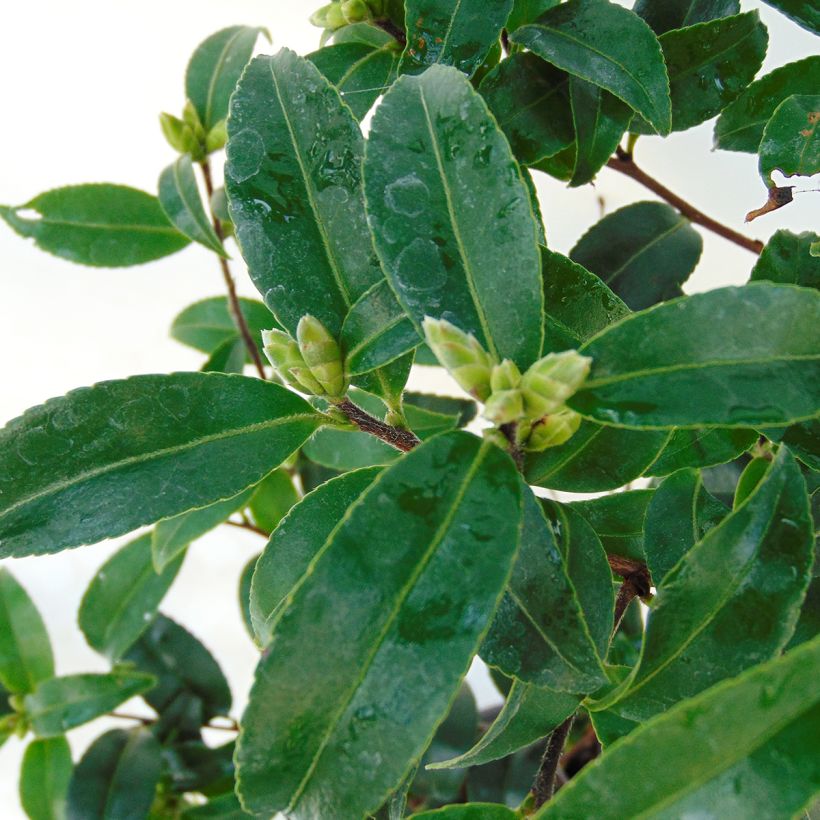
82, 85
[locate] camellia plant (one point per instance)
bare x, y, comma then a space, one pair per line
398, 547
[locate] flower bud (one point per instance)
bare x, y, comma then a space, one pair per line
217, 137
553, 430
462, 355
505, 376
355, 11
329, 17
191, 118
322, 355
179, 135
504, 406
552, 380
283, 353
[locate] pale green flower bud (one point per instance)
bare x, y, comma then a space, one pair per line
191, 119
552, 380
355, 11
322, 355
505, 376
462, 355
329, 17
179, 135
283, 353
553, 430
217, 137
504, 406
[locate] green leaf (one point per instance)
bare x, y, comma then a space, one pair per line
207, 325
751, 476
245, 580
787, 258
456, 33
644, 252
463, 410
808, 624
560, 166
272, 498
791, 142
403, 651
618, 520
663, 15
539, 634
577, 304
600, 120
225, 807
172, 535
445, 250
730, 347
469, 811
803, 440
87, 466
215, 68
190, 687
754, 735
709, 64
733, 599
360, 72
60, 704
387, 382
376, 331
345, 450
433, 785
116, 778
25, 649
103, 225
597, 458
526, 11
293, 178
804, 12
528, 99
44, 778
740, 126
229, 357
180, 199
298, 539
529, 713
608, 46
123, 597
679, 515
364, 33
702, 447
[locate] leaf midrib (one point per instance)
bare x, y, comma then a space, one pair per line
98, 226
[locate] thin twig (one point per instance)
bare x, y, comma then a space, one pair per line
404, 440
544, 785
584, 751
624, 164
246, 525
230, 284
393, 30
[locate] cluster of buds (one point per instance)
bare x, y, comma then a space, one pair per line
188, 135
312, 364
342, 13
535, 401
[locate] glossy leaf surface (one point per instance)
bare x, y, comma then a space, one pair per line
123, 597
272, 499
528, 98
180, 199
459, 33
740, 126
86, 466
297, 541
335, 678
60, 704
171, 536
787, 258
215, 68
447, 252
702, 447
679, 515
766, 548
360, 72
803, 12
25, 648
597, 458
791, 138
729, 347
618, 520
644, 252
116, 777
107, 226
527, 11
663, 15
539, 634
609, 46
293, 181
44, 778
754, 735
577, 304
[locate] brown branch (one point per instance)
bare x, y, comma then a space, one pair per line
584, 751
246, 525
393, 30
544, 785
233, 297
401, 439
624, 164
637, 583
